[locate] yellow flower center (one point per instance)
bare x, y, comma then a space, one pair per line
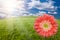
45, 25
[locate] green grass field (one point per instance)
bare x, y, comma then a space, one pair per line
22, 28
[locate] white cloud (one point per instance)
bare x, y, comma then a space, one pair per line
17, 7
20, 4
33, 4
41, 12
40, 5
52, 12
21, 8
49, 12
8, 6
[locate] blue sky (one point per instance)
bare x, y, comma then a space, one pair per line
58, 8
37, 7
34, 8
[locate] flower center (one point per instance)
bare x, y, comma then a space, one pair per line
45, 25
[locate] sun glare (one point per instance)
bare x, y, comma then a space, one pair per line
9, 5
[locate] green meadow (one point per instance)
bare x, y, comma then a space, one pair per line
22, 28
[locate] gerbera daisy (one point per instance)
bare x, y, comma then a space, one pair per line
46, 25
